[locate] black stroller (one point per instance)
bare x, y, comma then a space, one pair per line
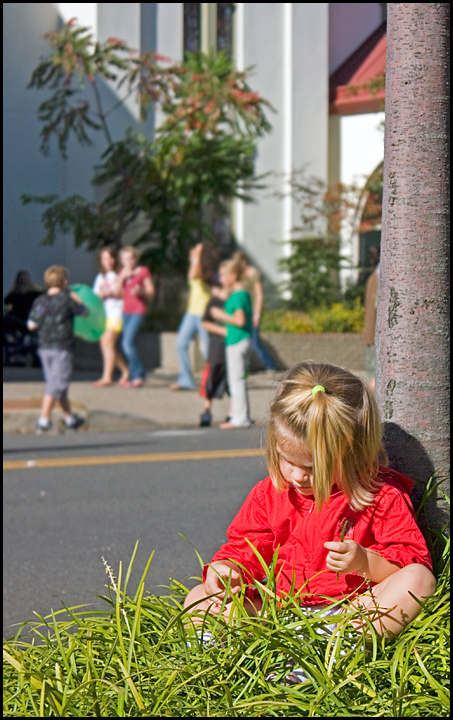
20, 346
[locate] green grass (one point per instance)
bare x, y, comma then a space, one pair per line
141, 657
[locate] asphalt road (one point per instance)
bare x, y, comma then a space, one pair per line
69, 500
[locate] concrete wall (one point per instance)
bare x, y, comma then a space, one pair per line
26, 170
159, 350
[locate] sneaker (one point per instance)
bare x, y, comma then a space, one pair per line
75, 422
41, 429
205, 419
203, 639
295, 677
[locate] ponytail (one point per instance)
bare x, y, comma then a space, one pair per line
336, 414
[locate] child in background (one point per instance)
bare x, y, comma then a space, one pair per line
323, 447
251, 281
136, 286
106, 286
52, 315
203, 266
237, 317
214, 380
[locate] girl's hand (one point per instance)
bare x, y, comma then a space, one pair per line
217, 313
346, 556
105, 291
125, 274
217, 577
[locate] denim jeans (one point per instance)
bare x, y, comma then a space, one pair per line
190, 326
260, 351
131, 326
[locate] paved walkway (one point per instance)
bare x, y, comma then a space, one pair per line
116, 408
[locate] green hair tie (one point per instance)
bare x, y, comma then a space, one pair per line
318, 388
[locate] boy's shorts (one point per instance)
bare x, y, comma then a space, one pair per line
57, 369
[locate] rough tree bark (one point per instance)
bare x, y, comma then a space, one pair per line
412, 336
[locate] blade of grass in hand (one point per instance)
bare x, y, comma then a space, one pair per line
343, 533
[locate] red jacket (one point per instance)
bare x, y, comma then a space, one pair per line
289, 520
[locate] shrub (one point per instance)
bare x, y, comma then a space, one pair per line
338, 317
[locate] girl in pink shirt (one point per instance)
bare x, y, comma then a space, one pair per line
342, 523
136, 286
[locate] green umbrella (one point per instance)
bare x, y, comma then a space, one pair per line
91, 327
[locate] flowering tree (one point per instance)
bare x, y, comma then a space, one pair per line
200, 157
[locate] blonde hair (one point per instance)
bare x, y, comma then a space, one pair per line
130, 249
55, 276
240, 257
233, 267
341, 426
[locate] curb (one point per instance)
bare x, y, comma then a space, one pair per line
23, 421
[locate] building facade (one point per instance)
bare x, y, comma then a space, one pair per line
295, 49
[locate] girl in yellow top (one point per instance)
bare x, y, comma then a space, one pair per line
203, 266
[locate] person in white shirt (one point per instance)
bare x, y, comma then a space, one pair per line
106, 286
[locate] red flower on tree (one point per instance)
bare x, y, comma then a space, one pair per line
116, 41
161, 58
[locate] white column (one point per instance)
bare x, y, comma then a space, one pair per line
238, 57
208, 27
287, 110
86, 14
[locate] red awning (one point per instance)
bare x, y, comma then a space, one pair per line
347, 94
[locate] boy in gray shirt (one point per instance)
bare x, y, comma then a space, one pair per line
52, 315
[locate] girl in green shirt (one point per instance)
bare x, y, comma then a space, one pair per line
237, 316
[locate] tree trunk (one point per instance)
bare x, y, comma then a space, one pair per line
412, 337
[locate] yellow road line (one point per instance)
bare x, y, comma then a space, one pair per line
116, 459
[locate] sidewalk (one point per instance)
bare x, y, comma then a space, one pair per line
114, 408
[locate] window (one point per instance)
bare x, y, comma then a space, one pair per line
213, 22
192, 27
225, 27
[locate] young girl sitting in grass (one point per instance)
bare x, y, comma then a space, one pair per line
343, 523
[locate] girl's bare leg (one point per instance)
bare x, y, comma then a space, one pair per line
111, 357
108, 356
390, 603
120, 362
